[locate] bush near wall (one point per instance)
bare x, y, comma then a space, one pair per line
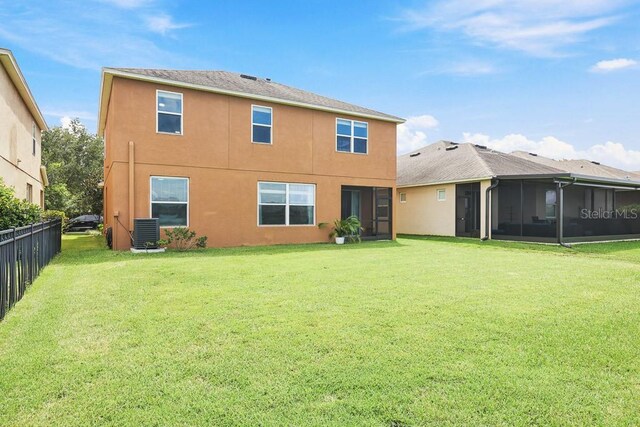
51, 214
15, 212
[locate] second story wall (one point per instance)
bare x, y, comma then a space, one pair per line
217, 133
20, 158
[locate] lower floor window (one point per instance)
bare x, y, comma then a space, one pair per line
170, 200
286, 204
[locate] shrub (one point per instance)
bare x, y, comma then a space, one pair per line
349, 228
183, 239
15, 212
50, 214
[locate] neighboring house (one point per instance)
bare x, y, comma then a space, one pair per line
469, 190
21, 124
240, 159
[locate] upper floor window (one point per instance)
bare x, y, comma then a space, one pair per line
261, 124
33, 138
441, 195
170, 200
351, 136
169, 111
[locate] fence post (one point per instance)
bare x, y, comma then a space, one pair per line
14, 266
30, 257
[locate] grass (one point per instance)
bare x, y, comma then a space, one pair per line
415, 332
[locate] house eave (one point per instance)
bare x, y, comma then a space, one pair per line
9, 63
457, 181
586, 179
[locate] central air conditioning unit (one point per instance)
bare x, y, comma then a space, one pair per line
146, 233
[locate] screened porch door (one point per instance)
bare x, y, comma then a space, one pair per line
372, 206
468, 210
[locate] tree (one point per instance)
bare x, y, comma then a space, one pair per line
74, 161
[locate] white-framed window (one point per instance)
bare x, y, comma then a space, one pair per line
441, 195
33, 138
352, 136
261, 124
282, 203
169, 199
550, 204
168, 112
403, 197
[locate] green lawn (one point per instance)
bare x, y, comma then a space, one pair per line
414, 332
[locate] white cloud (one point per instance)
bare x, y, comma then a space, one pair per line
465, 68
412, 134
613, 65
82, 115
609, 153
88, 35
128, 4
163, 23
65, 122
537, 27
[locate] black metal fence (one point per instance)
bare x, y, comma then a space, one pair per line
24, 252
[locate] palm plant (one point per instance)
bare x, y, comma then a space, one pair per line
349, 228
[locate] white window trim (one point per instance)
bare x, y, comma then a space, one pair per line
444, 193
181, 114
286, 204
151, 202
258, 124
405, 197
351, 137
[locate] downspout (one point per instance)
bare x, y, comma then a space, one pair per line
560, 213
131, 186
487, 209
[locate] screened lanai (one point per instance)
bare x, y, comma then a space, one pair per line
564, 209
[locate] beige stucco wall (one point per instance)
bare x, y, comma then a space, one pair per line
18, 165
424, 214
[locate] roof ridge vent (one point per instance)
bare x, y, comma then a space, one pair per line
595, 163
248, 77
453, 147
533, 154
414, 154
483, 147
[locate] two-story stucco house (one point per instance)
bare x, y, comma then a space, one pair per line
21, 124
240, 159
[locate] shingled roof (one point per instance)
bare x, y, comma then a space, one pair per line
447, 161
248, 86
580, 166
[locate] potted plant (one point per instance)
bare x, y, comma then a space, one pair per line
348, 228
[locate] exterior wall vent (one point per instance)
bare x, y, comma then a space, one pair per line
146, 233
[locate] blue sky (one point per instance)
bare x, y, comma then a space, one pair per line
561, 78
